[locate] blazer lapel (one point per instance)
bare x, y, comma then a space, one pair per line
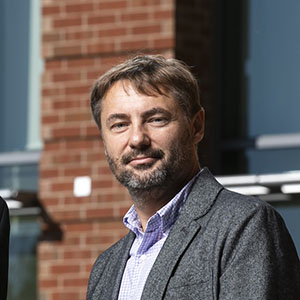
120, 265
188, 224
109, 285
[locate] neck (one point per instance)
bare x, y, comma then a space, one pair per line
148, 202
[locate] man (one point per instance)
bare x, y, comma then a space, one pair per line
4, 242
189, 238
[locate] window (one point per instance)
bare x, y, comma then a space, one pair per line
272, 70
24, 233
19, 93
20, 144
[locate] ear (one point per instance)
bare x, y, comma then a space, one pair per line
198, 125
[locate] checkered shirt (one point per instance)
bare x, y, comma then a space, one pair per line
147, 245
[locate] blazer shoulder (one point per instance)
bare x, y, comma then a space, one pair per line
232, 210
111, 254
107, 267
241, 204
113, 249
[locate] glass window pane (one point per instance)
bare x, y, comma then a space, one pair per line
22, 262
273, 70
20, 76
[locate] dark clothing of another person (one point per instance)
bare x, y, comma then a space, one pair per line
4, 243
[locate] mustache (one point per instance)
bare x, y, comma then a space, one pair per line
153, 153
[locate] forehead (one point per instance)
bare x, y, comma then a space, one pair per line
123, 95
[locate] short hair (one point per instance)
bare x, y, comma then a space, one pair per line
151, 75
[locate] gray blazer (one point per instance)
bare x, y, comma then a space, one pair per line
222, 246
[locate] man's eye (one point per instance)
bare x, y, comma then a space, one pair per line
118, 126
158, 121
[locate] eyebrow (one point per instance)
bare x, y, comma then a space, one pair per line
116, 116
151, 112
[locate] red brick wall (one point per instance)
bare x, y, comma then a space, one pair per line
82, 39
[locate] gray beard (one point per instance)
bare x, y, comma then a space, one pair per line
168, 173
132, 181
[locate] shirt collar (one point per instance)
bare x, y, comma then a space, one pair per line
168, 214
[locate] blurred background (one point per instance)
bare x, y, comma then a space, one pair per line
65, 206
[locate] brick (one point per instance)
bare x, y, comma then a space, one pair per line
163, 15
47, 255
49, 173
51, 10
99, 213
79, 144
51, 37
50, 119
80, 227
65, 104
140, 16
113, 5
66, 295
65, 132
65, 158
51, 91
92, 131
77, 200
77, 171
58, 77
80, 63
146, 29
79, 35
64, 269
112, 32
100, 20
76, 117
101, 47
53, 146
77, 253
64, 23
62, 186
83, 89
102, 184
76, 282
163, 43
67, 215
67, 50
53, 65
98, 240
135, 45
80, 7
48, 283
72, 240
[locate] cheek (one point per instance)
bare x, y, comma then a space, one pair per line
114, 145
171, 137
165, 143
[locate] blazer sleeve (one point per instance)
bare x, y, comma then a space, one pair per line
4, 247
260, 260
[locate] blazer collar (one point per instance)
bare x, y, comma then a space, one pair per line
201, 197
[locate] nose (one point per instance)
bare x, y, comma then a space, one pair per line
139, 138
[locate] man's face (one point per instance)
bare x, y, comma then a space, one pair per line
148, 140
